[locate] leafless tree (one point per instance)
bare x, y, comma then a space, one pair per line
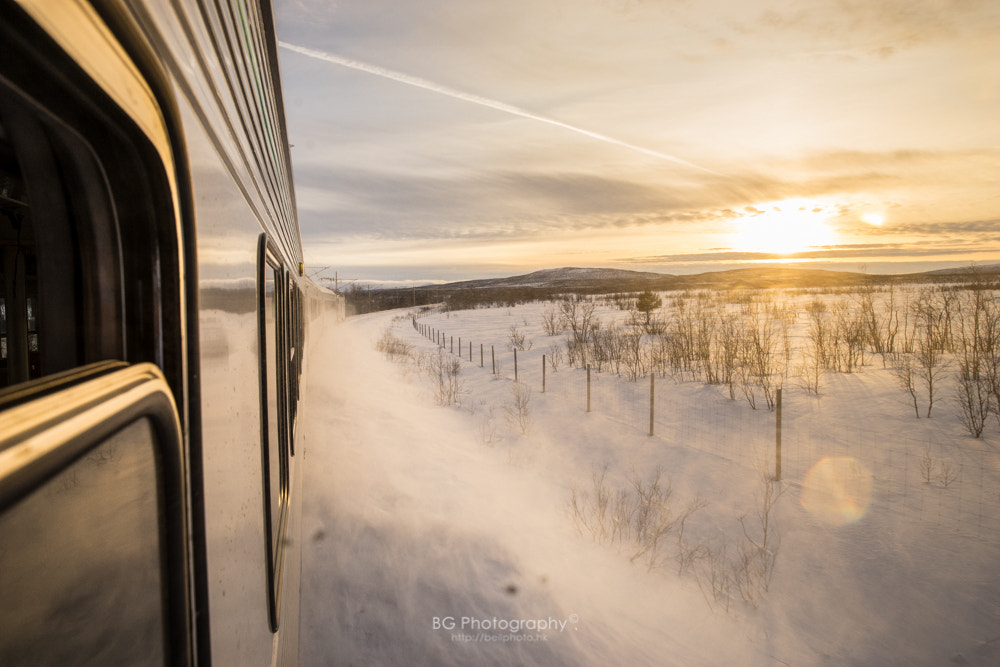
973, 357
931, 365
906, 376
578, 317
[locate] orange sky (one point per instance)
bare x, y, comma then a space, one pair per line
454, 139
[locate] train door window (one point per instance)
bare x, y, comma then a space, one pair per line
274, 427
88, 510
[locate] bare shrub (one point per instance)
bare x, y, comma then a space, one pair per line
906, 377
393, 347
757, 552
689, 553
744, 570
488, 428
933, 336
947, 473
579, 318
927, 464
720, 575
727, 353
977, 359
974, 398
516, 339
760, 367
444, 372
519, 408
552, 322
636, 518
555, 357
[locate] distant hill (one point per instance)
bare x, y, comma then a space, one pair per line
591, 281
566, 277
551, 283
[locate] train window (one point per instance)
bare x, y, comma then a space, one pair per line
92, 532
19, 359
272, 314
89, 247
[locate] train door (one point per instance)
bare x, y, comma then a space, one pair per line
94, 504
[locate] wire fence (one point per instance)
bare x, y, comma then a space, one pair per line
952, 483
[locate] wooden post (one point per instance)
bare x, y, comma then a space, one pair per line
777, 438
543, 373
588, 387
481, 364
459, 346
652, 392
470, 351
515, 364
452, 341
493, 355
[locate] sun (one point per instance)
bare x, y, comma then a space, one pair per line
783, 227
874, 218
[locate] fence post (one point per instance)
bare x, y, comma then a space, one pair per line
588, 387
470, 351
515, 364
460, 346
652, 389
777, 438
481, 364
493, 355
452, 341
543, 373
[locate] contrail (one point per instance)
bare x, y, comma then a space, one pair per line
477, 99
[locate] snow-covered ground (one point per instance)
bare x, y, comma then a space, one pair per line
444, 536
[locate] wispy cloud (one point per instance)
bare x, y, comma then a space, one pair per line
839, 252
481, 101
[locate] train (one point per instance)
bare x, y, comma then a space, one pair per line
155, 330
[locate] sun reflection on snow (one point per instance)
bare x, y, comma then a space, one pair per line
837, 491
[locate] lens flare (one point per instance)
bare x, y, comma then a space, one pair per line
837, 491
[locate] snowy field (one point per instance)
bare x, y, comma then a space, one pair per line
447, 534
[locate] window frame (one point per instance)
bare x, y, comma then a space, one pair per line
273, 363
51, 423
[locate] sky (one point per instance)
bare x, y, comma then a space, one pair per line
452, 139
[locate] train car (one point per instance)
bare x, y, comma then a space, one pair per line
154, 336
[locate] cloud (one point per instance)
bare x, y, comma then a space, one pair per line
871, 28
480, 100
836, 252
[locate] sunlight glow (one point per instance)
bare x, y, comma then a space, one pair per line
783, 227
874, 218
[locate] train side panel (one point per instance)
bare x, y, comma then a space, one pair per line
190, 333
